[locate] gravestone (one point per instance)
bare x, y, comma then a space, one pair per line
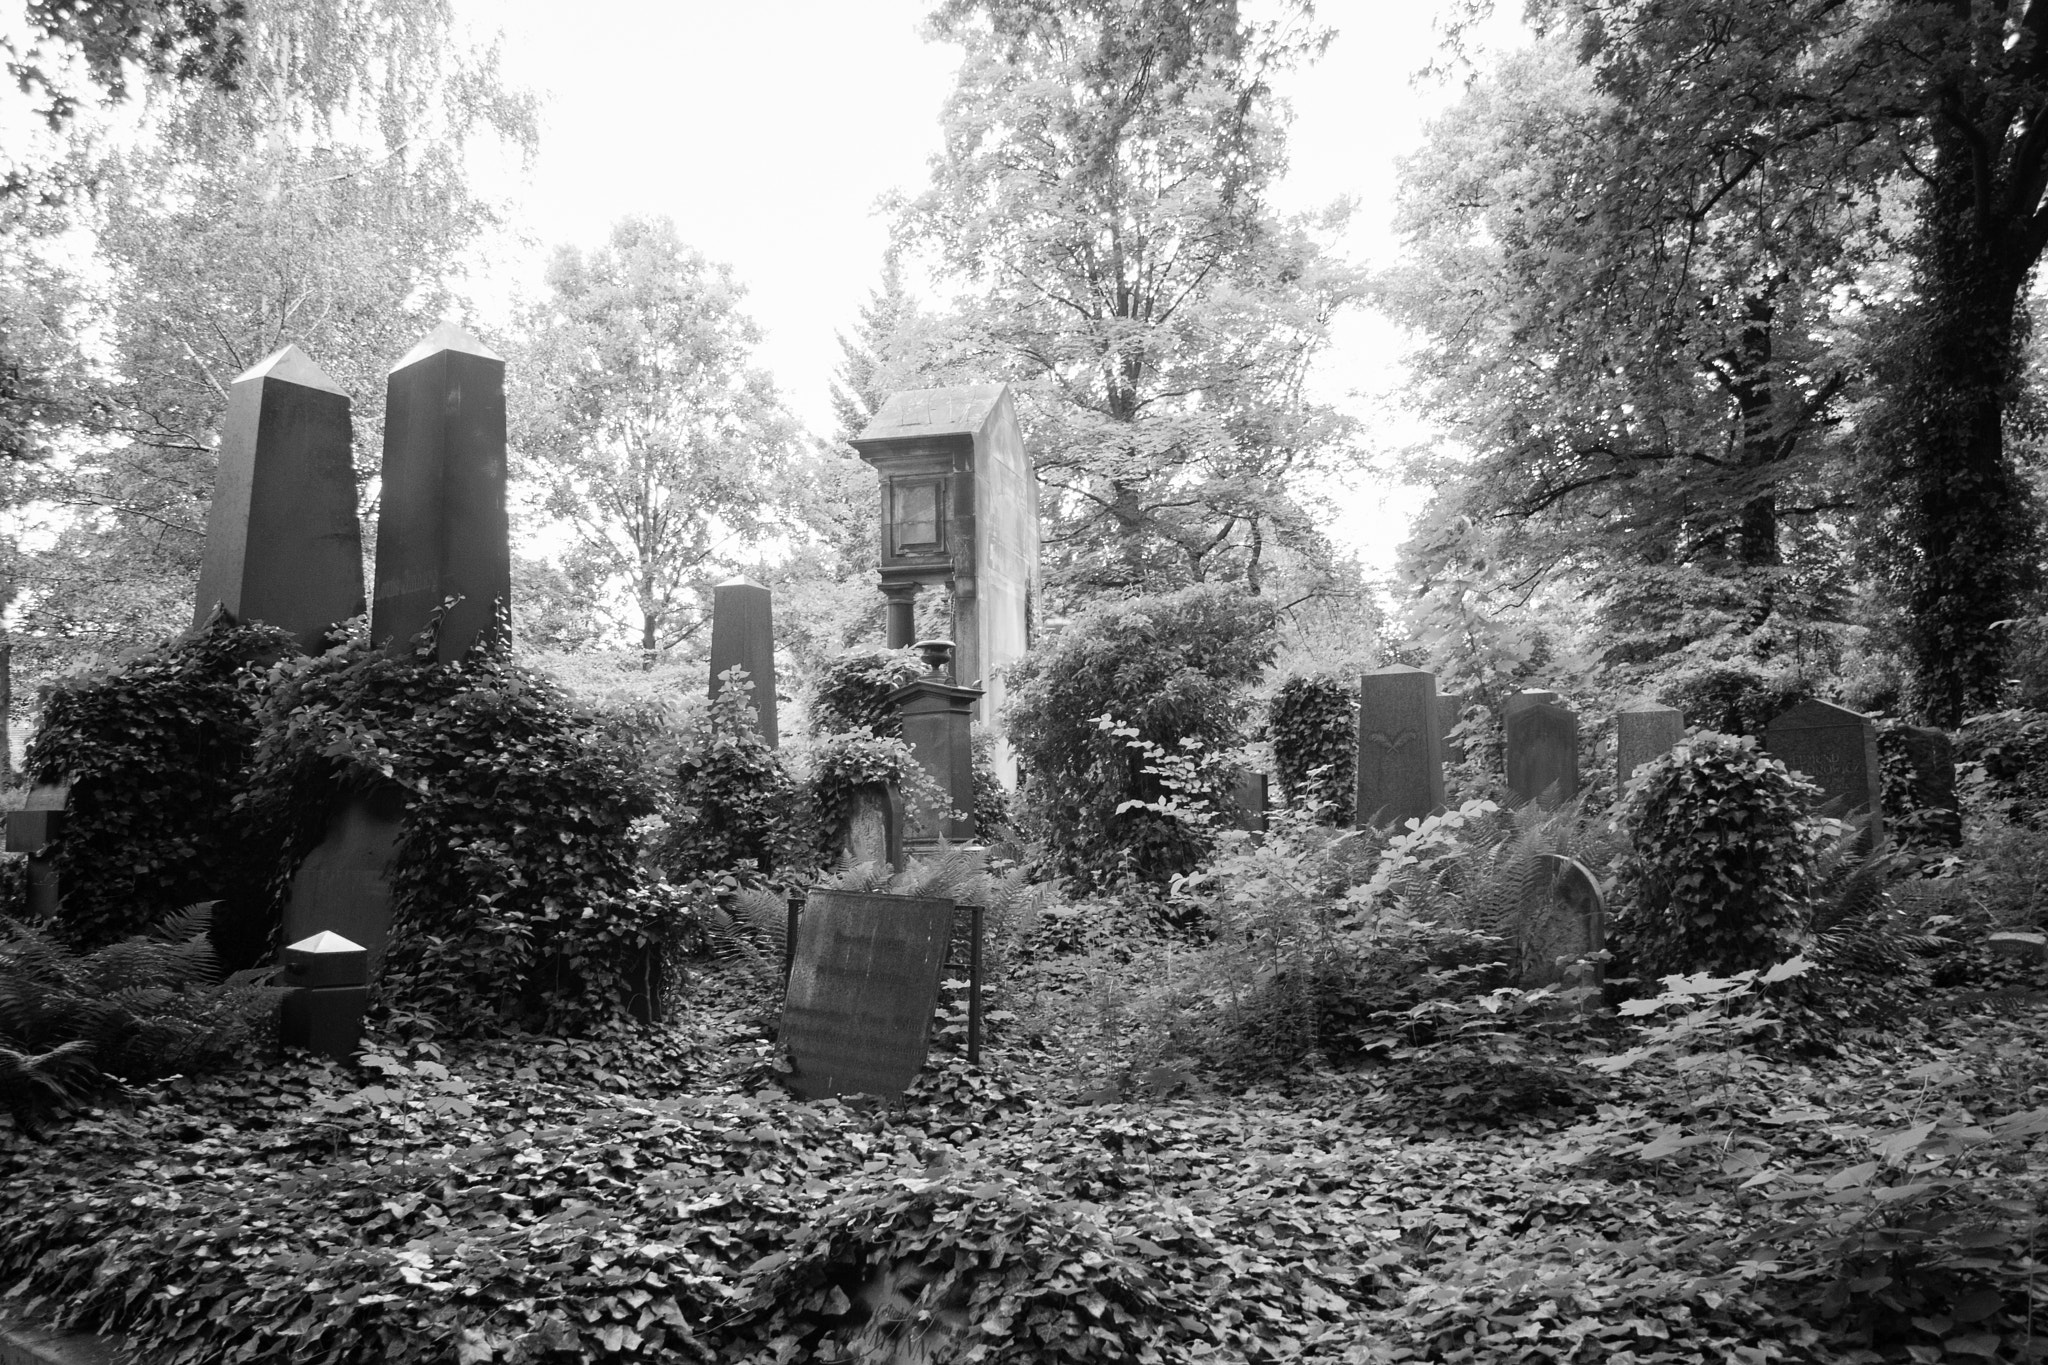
283, 545
857, 1015
30, 830
960, 512
743, 636
441, 525
1563, 919
1641, 734
874, 827
328, 976
344, 885
1542, 751
938, 722
1933, 757
1837, 750
1528, 697
1400, 746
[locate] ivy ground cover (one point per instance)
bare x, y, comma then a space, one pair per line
630, 1199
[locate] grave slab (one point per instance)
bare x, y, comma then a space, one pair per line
1400, 746
857, 1014
1542, 752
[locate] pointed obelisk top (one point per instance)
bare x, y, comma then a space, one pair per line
293, 366
449, 336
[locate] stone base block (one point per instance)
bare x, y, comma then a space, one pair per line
324, 1019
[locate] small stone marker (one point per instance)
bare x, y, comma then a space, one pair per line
1400, 746
1542, 751
29, 830
283, 544
1837, 749
324, 1012
1933, 757
857, 1015
1564, 919
1641, 734
344, 885
743, 636
441, 525
874, 828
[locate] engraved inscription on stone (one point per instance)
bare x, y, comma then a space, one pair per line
865, 981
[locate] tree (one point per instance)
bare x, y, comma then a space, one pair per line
1102, 196
183, 40
644, 425
1938, 107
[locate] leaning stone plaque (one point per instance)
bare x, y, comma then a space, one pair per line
1837, 749
1400, 746
857, 1015
1543, 752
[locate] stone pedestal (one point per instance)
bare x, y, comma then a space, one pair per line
329, 977
283, 544
344, 885
1542, 751
743, 636
441, 526
1836, 749
1641, 735
1400, 746
938, 719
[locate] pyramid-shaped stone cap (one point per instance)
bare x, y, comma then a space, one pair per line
449, 336
326, 941
293, 366
962, 410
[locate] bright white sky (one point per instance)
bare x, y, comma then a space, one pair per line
769, 129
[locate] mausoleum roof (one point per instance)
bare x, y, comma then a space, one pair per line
962, 409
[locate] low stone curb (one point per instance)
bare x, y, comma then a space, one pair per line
21, 1344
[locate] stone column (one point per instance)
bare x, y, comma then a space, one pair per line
743, 636
441, 528
902, 598
283, 545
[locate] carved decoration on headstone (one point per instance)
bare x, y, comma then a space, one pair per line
441, 524
743, 636
283, 544
1837, 750
857, 1015
1542, 751
959, 512
1400, 746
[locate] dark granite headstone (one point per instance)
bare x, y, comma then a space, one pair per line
857, 1015
1837, 750
1641, 734
1542, 751
441, 527
1933, 757
874, 828
743, 636
1563, 919
344, 885
1400, 746
283, 545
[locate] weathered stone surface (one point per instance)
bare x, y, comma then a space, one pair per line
283, 544
441, 524
1837, 750
960, 511
1933, 757
1542, 752
1641, 734
40, 819
344, 885
1400, 746
1564, 919
874, 829
743, 636
857, 1015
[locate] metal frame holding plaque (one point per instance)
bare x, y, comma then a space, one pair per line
863, 983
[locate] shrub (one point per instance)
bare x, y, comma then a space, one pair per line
1176, 668
1721, 869
1732, 696
1907, 820
991, 800
514, 895
842, 764
2009, 754
2007, 867
735, 810
1313, 725
851, 696
156, 752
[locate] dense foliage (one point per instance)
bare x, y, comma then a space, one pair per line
515, 888
1174, 669
734, 810
1720, 874
851, 694
156, 751
841, 765
1312, 724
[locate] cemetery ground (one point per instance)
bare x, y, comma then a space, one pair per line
1494, 1191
